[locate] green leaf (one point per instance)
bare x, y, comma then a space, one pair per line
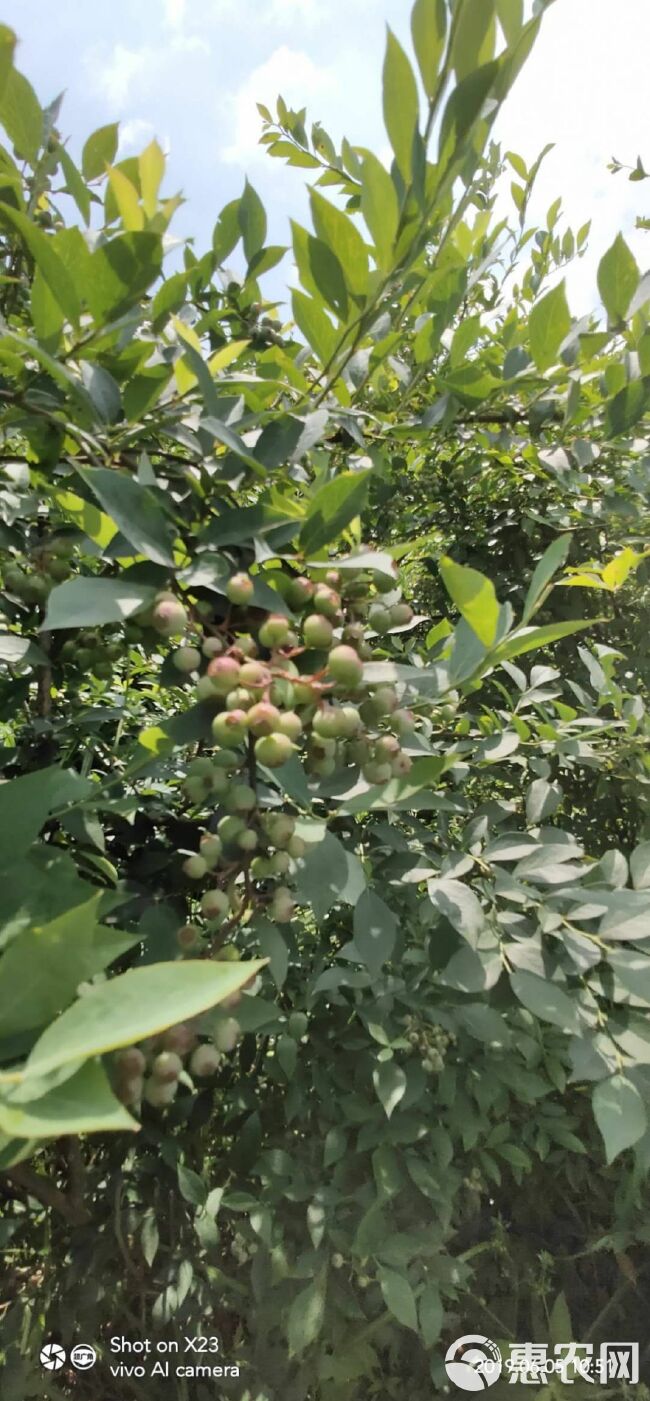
329, 875
459, 905
627, 407
320, 270
118, 272
401, 104
431, 1315
7, 48
21, 113
461, 113
389, 1081
88, 602
618, 279
52, 267
428, 31
375, 930
192, 1187
75, 185
548, 325
552, 560
103, 391
620, 1114
640, 866
474, 597
84, 1103
20, 651
151, 166
474, 37
306, 1315
398, 1297
342, 237
43, 966
379, 207
135, 510
315, 326
528, 639
333, 507
99, 151
545, 1000
252, 221
137, 1004
26, 802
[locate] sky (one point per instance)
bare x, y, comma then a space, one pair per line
191, 71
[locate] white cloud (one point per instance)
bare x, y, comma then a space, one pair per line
290, 72
125, 68
134, 135
174, 14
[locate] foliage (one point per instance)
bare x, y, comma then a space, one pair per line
404, 840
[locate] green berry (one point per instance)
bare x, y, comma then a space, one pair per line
227, 1034
248, 840
211, 849
159, 1094
317, 631
240, 589
224, 674
215, 904
273, 750
400, 614
263, 718
205, 1061
241, 798
195, 867
186, 659
326, 601
230, 728
345, 665
299, 592
167, 1067
212, 647
169, 617
254, 674
274, 630
290, 724
188, 937
230, 829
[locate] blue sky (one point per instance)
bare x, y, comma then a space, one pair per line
190, 71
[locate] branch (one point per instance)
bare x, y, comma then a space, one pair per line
32, 1184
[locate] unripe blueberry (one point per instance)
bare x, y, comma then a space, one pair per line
188, 937
227, 1034
279, 827
180, 1038
212, 646
167, 1066
327, 722
230, 828
333, 578
114, 651
239, 699
247, 841
228, 953
401, 765
102, 670
282, 905
273, 750
317, 631
129, 1092
337, 1260
130, 1062
195, 790
260, 868
205, 1061
220, 781
290, 724
241, 798
377, 773
386, 747
58, 569
403, 721
247, 645
379, 619
299, 592
204, 690
324, 768
263, 718
211, 848
282, 693
400, 614
215, 904
230, 728
187, 659
384, 700
345, 666
274, 630
304, 694
159, 1093
240, 589
326, 601
280, 863
225, 760
350, 721
296, 848
359, 750
254, 674
195, 867
62, 547
169, 617
224, 674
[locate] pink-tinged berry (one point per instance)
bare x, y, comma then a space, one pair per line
263, 718
274, 630
169, 617
224, 674
230, 728
240, 589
